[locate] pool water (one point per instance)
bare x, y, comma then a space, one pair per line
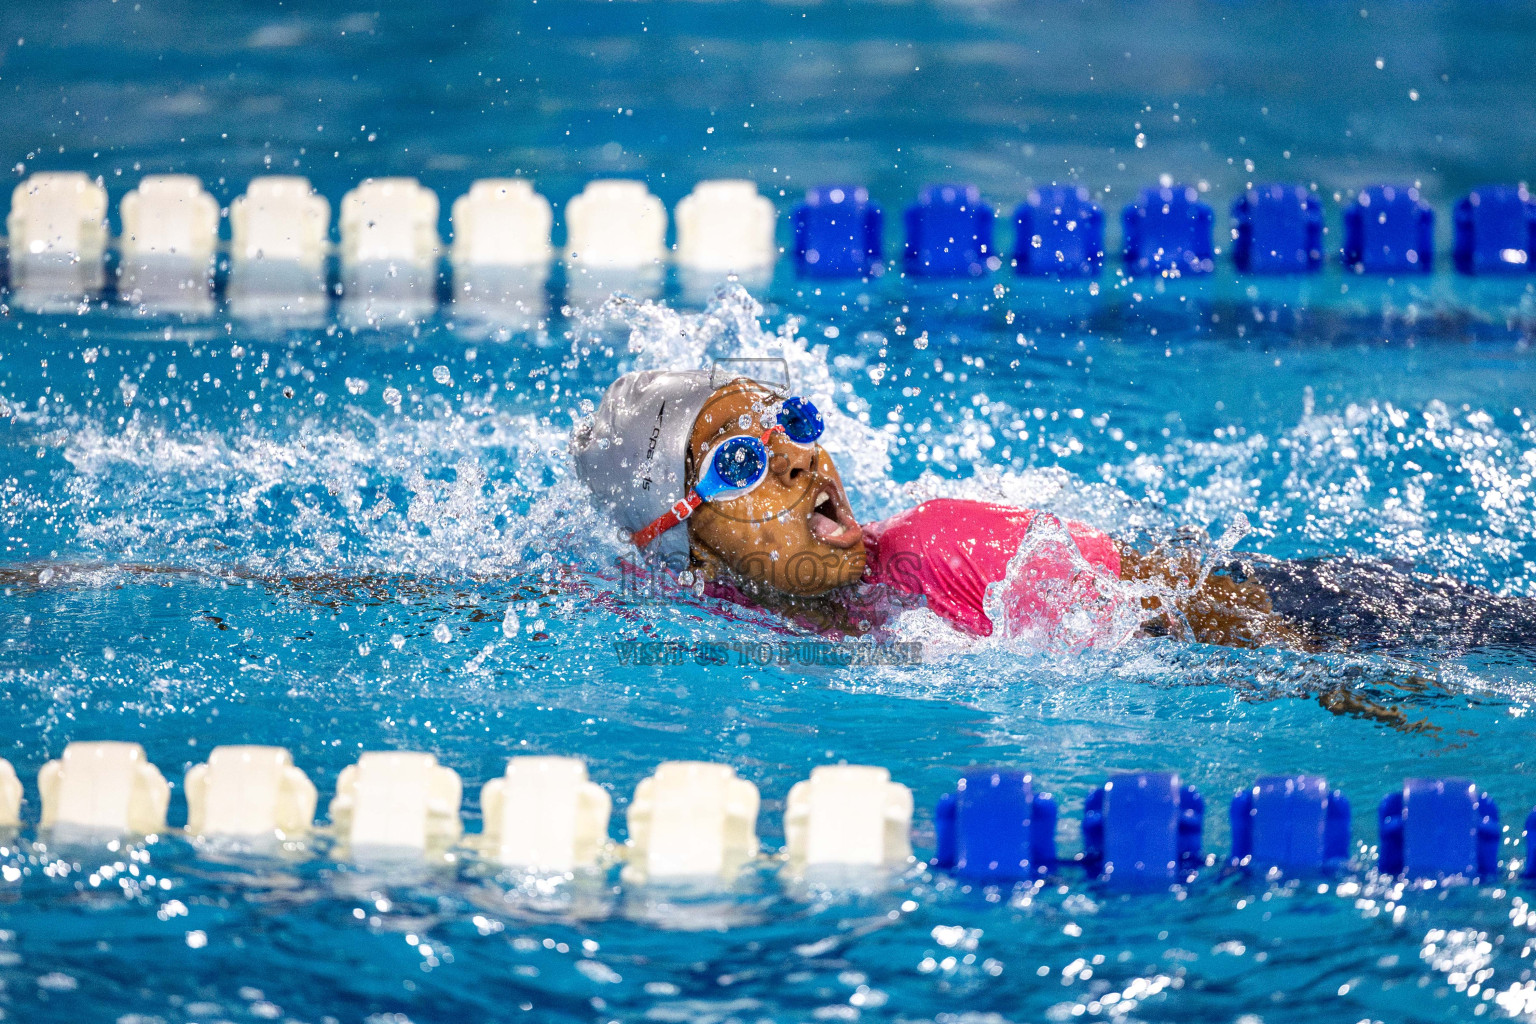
337, 539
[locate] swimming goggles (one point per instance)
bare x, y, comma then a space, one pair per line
735, 466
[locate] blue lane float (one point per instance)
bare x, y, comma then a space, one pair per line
1059, 231
994, 828
1435, 828
1389, 230
1168, 230
1294, 823
838, 233
1530, 846
1495, 228
1143, 827
949, 233
1277, 229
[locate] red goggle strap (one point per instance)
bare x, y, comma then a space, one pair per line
668, 519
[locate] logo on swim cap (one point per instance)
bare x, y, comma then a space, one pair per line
650, 449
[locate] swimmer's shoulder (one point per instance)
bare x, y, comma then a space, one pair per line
947, 523
962, 511
962, 507
943, 523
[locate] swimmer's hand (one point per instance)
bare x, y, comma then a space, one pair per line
1217, 609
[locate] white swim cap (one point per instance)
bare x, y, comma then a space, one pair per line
634, 451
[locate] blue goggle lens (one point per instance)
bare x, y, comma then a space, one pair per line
801, 420
741, 461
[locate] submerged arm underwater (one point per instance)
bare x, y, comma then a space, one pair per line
1329, 604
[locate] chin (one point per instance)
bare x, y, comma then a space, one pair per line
786, 559
814, 570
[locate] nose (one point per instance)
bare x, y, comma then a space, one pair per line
788, 460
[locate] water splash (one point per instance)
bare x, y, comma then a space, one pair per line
1446, 489
1053, 600
442, 493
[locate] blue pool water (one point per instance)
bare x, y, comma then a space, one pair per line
220, 532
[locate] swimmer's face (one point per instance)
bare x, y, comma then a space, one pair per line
795, 532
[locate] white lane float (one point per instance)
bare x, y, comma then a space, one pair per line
501, 250
170, 235
58, 238
848, 816
615, 240
501, 222
10, 796
103, 787
691, 820
544, 815
280, 239
401, 801
249, 792
389, 250
726, 226
390, 221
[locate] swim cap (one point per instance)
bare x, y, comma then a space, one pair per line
634, 451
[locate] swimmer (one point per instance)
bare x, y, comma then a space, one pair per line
729, 482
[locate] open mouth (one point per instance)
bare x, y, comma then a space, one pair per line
831, 519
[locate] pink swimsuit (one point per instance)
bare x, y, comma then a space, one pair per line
949, 550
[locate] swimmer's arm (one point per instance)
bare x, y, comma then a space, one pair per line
1220, 611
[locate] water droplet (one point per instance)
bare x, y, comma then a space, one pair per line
509, 623
397, 641
442, 634
356, 386
441, 375
108, 654
1236, 530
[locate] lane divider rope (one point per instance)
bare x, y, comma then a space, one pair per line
692, 820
